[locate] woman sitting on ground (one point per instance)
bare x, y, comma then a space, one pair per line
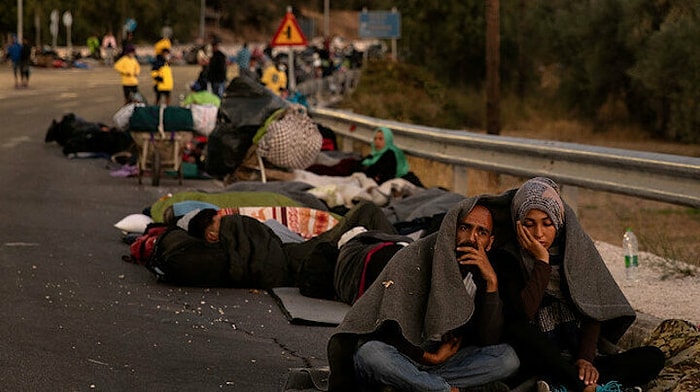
385, 162
560, 301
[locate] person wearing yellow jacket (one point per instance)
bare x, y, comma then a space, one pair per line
129, 69
162, 76
274, 78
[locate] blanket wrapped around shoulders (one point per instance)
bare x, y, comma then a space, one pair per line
256, 257
594, 291
419, 296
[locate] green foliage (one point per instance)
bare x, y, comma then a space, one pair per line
668, 71
408, 93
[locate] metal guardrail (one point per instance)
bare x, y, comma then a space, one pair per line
663, 177
331, 88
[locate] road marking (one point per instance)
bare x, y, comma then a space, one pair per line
18, 244
13, 142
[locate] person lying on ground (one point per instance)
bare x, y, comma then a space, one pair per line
432, 319
561, 300
259, 258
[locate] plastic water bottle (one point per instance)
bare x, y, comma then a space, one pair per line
631, 248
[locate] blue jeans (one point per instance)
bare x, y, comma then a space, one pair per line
378, 363
218, 88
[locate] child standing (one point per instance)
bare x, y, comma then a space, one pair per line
129, 68
162, 76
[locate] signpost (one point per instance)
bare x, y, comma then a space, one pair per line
53, 28
381, 24
289, 34
68, 22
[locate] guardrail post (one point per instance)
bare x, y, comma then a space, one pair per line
460, 180
570, 194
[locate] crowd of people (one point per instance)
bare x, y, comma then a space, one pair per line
507, 290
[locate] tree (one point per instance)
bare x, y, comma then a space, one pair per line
493, 85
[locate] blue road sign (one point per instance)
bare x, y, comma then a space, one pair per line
380, 24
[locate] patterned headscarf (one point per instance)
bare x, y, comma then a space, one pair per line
539, 193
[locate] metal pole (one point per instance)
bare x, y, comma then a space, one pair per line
20, 27
326, 18
202, 8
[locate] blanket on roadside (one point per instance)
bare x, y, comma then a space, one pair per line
347, 191
680, 342
306, 222
294, 190
222, 200
256, 257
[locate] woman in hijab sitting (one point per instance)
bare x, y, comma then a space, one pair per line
561, 302
384, 163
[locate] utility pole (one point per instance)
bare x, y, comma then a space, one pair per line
326, 18
493, 65
202, 10
20, 15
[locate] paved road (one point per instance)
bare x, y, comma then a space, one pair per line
78, 318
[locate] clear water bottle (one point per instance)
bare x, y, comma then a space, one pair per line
631, 248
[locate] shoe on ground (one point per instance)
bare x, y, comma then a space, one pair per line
542, 386
614, 386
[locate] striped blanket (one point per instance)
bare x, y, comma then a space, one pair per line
307, 222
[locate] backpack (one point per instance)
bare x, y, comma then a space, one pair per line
180, 259
141, 250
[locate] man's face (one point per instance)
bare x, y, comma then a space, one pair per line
211, 234
475, 229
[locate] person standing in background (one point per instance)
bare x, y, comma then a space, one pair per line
129, 69
14, 53
126, 42
243, 57
25, 62
162, 77
217, 70
162, 44
109, 44
93, 44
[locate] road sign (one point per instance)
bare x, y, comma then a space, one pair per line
67, 19
380, 24
289, 33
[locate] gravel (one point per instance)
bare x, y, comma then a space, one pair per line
661, 289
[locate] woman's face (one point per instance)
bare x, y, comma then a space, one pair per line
379, 140
538, 224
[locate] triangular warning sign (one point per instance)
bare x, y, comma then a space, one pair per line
288, 33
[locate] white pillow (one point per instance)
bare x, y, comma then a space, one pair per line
134, 223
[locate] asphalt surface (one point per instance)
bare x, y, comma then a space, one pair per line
78, 318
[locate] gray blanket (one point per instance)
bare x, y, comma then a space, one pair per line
593, 289
419, 294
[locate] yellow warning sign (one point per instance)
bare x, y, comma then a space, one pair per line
288, 33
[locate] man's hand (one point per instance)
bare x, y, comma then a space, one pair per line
468, 255
586, 372
447, 349
530, 244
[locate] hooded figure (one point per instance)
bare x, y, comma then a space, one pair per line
386, 161
422, 299
560, 299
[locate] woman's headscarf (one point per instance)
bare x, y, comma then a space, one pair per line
401, 162
539, 193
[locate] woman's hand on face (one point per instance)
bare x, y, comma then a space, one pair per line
530, 244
